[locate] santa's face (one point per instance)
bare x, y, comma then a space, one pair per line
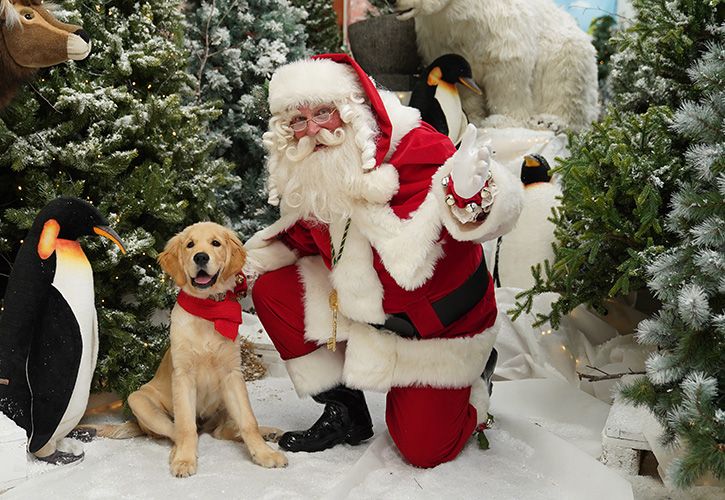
313, 129
319, 169
309, 120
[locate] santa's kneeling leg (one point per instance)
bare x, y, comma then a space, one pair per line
429, 425
314, 370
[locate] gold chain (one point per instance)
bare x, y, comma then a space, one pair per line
335, 258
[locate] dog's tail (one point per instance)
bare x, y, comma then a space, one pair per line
125, 430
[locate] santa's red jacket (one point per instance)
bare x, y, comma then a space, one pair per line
400, 255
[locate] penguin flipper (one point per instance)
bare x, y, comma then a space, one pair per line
423, 99
437, 117
14, 390
418, 96
53, 368
461, 128
25, 295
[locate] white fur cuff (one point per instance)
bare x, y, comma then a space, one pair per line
273, 256
317, 371
378, 360
504, 211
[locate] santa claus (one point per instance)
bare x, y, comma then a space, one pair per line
373, 278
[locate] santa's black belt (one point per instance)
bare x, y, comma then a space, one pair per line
449, 308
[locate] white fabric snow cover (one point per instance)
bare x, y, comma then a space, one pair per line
581, 340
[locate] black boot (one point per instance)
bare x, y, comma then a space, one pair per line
488, 370
345, 420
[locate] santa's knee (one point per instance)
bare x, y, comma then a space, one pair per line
422, 453
263, 289
273, 290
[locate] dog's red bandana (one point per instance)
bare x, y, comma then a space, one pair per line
226, 314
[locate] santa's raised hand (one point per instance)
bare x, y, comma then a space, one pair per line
470, 165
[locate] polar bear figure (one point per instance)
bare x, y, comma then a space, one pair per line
537, 68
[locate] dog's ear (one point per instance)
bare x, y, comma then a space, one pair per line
170, 261
236, 255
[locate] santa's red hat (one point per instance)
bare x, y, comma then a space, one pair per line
328, 78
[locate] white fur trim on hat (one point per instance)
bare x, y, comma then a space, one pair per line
311, 82
403, 119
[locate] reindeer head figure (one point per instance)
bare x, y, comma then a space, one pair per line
31, 38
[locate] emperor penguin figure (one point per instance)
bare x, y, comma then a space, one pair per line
49, 328
530, 242
436, 95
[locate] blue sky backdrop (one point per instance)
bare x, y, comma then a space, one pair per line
586, 10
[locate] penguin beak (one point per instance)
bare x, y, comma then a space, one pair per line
530, 161
109, 233
469, 83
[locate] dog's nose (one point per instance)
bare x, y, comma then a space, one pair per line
201, 259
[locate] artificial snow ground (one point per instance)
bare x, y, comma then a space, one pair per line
524, 461
527, 460
544, 445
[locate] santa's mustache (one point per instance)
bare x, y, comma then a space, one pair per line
306, 145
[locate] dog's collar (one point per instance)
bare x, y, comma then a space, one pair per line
226, 313
240, 290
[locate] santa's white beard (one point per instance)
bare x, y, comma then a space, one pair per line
324, 184
306, 145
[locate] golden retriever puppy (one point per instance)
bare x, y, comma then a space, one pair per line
200, 376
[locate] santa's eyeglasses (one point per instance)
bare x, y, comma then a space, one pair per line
321, 116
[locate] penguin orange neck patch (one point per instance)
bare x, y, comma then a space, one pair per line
48, 238
434, 77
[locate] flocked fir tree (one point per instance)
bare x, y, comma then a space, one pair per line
323, 30
621, 174
601, 30
120, 129
685, 382
235, 46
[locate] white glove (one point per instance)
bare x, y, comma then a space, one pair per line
470, 165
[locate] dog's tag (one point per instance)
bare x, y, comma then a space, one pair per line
332, 341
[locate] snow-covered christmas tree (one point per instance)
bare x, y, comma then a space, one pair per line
323, 32
234, 48
122, 131
685, 383
621, 175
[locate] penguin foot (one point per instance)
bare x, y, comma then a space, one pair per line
83, 434
62, 458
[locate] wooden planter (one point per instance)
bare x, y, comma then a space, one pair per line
386, 49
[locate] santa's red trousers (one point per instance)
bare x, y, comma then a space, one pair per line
429, 426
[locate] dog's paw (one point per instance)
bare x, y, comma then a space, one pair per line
271, 434
269, 458
183, 468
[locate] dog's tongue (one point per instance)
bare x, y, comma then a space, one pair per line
202, 279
